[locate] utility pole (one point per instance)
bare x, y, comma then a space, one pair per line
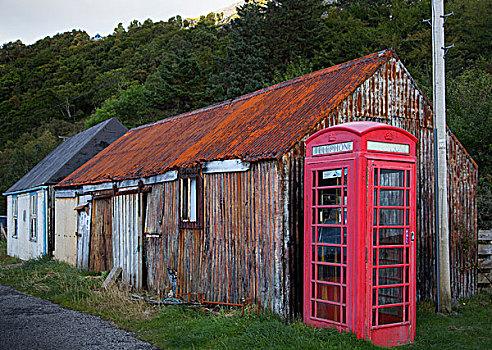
440, 136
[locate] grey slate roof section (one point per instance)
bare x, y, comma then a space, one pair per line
70, 155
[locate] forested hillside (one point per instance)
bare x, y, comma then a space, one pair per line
153, 70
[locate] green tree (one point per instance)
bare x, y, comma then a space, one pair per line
293, 30
293, 70
180, 84
470, 30
242, 68
469, 107
266, 39
17, 158
130, 107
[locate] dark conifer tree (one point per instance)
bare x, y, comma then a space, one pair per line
180, 84
243, 69
294, 30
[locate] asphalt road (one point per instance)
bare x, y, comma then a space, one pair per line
32, 323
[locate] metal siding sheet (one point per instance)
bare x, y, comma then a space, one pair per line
116, 238
131, 242
239, 252
127, 229
462, 179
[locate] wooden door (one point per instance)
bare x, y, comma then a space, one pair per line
101, 252
190, 261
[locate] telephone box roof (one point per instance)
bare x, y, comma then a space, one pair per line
261, 125
361, 128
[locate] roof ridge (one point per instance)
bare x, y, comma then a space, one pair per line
330, 69
97, 129
259, 125
301, 78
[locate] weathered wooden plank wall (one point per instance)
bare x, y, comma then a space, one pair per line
100, 251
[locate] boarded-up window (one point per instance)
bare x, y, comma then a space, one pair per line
15, 211
33, 233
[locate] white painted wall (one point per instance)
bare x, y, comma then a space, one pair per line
22, 247
65, 230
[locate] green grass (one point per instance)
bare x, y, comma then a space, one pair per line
178, 327
182, 328
469, 328
4, 258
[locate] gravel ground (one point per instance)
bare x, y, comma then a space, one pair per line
27, 322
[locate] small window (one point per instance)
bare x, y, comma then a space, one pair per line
15, 212
33, 234
190, 200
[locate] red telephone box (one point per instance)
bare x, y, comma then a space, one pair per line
359, 245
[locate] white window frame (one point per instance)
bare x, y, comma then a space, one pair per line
33, 211
188, 199
15, 215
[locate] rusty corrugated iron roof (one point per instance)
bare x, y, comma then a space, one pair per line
261, 125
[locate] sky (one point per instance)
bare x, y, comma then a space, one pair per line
31, 20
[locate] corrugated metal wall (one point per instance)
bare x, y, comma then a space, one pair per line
463, 228
240, 250
251, 242
127, 237
161, 241
426, 217
243, 243
293, 188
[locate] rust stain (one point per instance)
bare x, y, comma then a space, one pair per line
260, 125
